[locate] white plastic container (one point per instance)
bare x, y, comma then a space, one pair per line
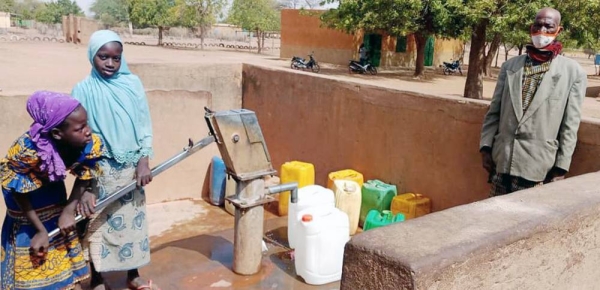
322, 236
348, 199
308, 196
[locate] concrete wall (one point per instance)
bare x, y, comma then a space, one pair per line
420, 143
542, 238
78, 29
447, 50
391, 58
223, 81
302, 32
86, 27
4, 20
67, 28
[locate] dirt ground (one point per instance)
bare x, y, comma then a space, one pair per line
29, 66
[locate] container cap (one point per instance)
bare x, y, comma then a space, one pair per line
307, 218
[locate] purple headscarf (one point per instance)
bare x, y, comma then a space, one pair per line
48, 110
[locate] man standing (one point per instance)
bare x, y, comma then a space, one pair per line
362, 53
530, 131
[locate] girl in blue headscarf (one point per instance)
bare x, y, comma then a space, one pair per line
116, 238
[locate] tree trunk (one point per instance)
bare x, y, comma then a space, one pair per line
489, 58
258, 33
262, 42
521, 49
474, 83
497, 55
506, 51
160, 35
130, 29
420, 41
462, 55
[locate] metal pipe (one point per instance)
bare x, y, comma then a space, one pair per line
290, 186
191, 149
248, 228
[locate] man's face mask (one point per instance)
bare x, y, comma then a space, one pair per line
542, 39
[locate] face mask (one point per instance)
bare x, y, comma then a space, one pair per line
542, 40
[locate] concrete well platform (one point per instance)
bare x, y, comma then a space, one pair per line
196, 251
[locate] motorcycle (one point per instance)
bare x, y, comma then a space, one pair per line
301, 63
453, 67
355, 66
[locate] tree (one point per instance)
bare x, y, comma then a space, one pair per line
111, 12
489, 20
259, 16
580, 22
199, 15
422, 18
153, 13
7, 5
53, 12
511, 20
27, 9
515, 38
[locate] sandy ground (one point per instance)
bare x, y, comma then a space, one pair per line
29, 66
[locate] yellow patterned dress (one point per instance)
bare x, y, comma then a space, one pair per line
64, 265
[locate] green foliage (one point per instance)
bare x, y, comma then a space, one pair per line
152, 13
580, 22
27, 9
397, 17
511, 19
7, 5
198, 13
255, 15
53, 12
111, 13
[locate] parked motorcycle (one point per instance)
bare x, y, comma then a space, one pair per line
453, 67
355, 66
301, 63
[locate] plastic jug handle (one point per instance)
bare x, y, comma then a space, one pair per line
386, 215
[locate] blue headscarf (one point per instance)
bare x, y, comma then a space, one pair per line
117, 106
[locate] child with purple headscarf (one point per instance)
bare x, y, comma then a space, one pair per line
32, 180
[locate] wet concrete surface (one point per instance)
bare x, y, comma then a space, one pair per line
197, 253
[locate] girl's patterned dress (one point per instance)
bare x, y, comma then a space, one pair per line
64, 264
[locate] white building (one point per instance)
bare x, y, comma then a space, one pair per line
4, 20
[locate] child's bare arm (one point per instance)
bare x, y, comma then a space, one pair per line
79, 187
23, 202
39, 242
86, 200
66, 221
